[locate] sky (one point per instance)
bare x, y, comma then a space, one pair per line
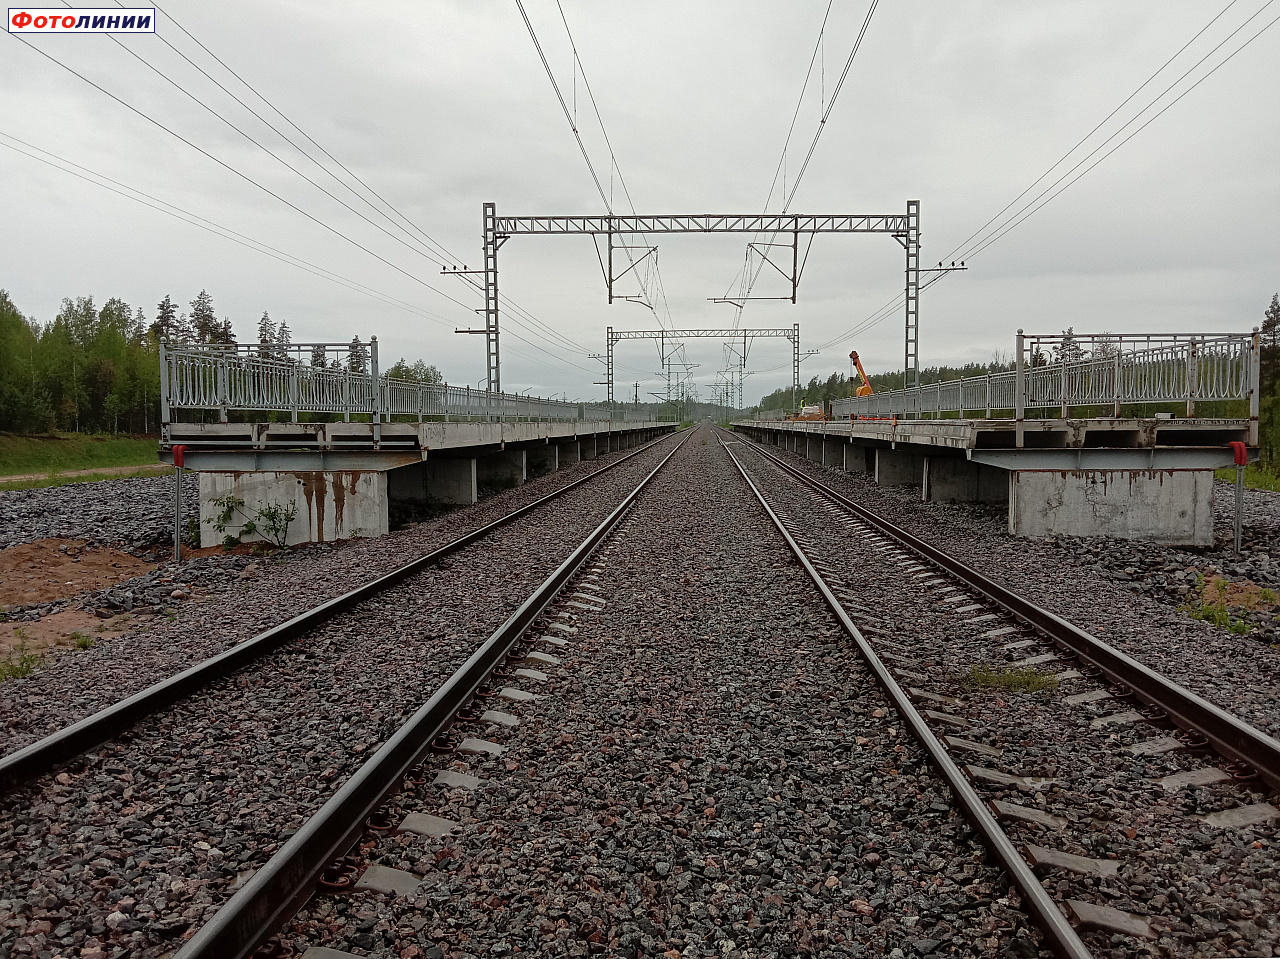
442, 106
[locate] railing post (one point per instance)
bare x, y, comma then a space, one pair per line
346, 394
1119, 376
1193, 373
988, 395
1062, 386
293, 390
1019, 393
1255, 382
222, 388
377, 388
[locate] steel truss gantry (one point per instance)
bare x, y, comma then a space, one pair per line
905, 228
676, 336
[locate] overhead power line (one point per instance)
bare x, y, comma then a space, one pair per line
748, 278
1007, 223
577, 134
440, 255
243, 176
203, 223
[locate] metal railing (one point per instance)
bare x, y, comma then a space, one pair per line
1070, 371
333, 378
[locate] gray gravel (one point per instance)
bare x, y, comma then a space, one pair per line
712, 772
228, 599
1207, 892
1074, 578
127, 849
131, 514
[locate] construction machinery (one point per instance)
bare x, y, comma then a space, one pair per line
865, 389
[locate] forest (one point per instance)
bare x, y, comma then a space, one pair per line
96, 369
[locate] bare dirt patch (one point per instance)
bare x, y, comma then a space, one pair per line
67, 628
1240, 594
50, 569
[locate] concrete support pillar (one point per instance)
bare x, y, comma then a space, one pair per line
541, 460
1171, 507
327, 505
833, 453
569, 454
813, 444
899, 468
953, 479
587, 447
859, 459
451, 480
505, 469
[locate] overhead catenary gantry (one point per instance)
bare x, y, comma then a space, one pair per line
677, 336
904, 227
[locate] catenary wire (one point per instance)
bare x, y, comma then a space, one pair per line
145, 116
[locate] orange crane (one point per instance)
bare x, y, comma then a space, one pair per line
865, 389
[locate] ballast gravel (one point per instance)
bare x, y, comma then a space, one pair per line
1203, 891
127, 849
709, 771
1239, 673
224, 600
132, 514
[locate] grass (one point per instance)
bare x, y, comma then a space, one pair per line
83, 640
1256, 476
1011, 680
59, 452
1214, 598
23, 665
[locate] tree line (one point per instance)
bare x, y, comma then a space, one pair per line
96, 369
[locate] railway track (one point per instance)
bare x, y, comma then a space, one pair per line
276, 891
667, 777
189, 786
933, 629
672, 745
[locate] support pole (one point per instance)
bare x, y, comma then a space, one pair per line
911, 243
609, 364
179, 458
1239, 504
1019, 392
795, 366
491, 245
177, 516
1255, 381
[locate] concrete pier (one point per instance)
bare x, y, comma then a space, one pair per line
587, 448
1174, 507
570, 453
541, 460
899, 468
951, 479
505, 469
1131, 478
327, 506
451, 480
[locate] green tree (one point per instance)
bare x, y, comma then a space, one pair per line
166, 325
204, 322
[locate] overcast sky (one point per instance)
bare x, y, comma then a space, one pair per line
441, 106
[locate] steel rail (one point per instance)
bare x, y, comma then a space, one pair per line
1059, 936
47, 754
1233, 738
279, 888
